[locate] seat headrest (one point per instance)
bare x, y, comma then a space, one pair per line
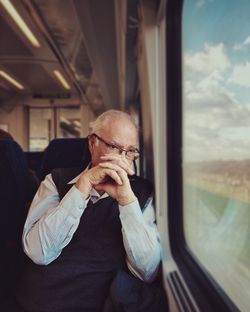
65, 153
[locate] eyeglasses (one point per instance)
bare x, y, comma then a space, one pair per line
131, 154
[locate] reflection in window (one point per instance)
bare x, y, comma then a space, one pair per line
216, 140
69, 125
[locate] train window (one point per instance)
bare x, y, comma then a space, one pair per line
41, 125
216, 142
46, 124
68, 123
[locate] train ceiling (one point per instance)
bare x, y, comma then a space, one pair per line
80, 48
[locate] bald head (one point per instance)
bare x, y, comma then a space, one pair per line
106, 119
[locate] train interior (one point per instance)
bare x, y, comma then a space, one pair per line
62, 63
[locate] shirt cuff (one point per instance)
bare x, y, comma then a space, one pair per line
131, 212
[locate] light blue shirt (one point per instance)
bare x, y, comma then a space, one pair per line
51, 223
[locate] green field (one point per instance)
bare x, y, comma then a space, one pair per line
216, 216
224, 190
217, 230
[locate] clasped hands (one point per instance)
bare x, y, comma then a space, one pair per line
110, 176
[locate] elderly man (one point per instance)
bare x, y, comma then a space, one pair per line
84, 228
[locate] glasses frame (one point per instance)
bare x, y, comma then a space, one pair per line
120, 149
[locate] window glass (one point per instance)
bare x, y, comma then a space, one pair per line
40, 128
69, 123
46, 124
216, 140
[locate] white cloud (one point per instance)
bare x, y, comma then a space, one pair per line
211, 81
238, 47
247, 41
239, 134
241, 46
208, 93
211, 59
210, 110
188, 86
207, 137
241, 75
201, 3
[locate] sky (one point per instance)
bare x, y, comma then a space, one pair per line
216, 79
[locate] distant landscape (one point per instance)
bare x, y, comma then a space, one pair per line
228, 178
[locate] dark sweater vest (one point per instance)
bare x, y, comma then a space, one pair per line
79, 279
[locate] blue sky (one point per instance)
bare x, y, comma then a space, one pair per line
216, 75
215, 19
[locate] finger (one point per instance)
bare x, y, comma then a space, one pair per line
114, 175
115, 156
121, 162
113, 166
121, 173
123, 176
104, 187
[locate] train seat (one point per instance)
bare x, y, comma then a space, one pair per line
14, 197
65, 153
34, 160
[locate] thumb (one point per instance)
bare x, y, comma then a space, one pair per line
105, 187
99, 187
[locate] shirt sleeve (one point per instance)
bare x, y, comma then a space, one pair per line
51, 223
141, 240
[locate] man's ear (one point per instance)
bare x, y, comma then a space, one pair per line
91, 142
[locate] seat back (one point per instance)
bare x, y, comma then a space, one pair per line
14, 189
34, 160
65, 153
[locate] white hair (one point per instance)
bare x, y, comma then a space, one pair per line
105, 118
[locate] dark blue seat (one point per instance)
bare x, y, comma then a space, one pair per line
65, 153
14, 200
34, 160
